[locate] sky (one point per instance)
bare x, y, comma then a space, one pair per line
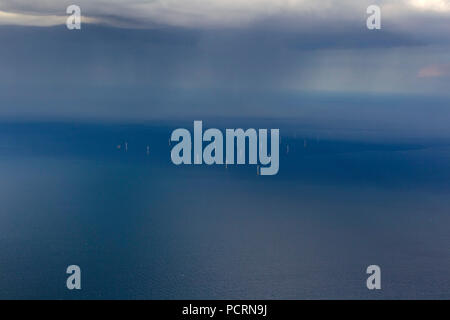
276, 58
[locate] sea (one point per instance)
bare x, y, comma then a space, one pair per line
139, 227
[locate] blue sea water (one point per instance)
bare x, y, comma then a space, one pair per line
142, 228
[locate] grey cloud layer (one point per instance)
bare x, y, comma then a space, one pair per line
237, 13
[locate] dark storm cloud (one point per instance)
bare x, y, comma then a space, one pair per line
180, 57
247, 63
